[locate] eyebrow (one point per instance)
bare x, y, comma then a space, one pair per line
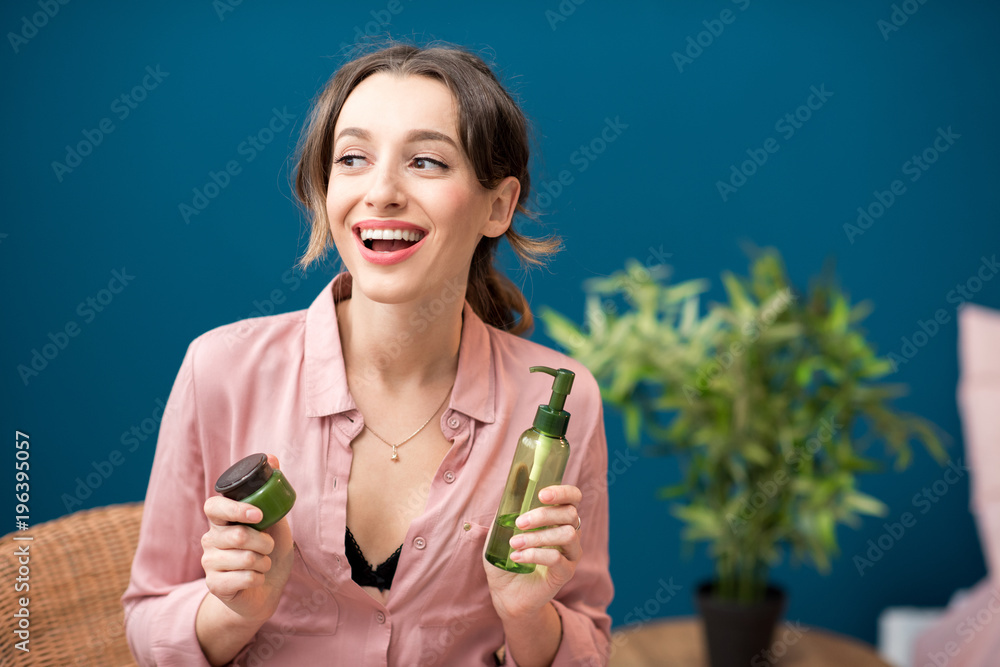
411, 137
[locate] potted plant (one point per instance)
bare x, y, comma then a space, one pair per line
770, 400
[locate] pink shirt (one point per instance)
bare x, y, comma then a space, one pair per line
277, 384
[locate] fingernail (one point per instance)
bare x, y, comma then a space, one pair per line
515, 555
251, 515
522, 522
516, 542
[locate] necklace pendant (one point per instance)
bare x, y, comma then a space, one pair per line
395, 457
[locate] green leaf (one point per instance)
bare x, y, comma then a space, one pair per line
876, 368
673, 491
633, 423
804, 373
756, 453
839, 314
865, 504
737, 295
861, 310
560, 329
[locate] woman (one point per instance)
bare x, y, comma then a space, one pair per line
392, 404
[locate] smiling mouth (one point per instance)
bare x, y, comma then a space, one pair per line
389, 240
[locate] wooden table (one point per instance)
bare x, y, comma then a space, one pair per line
681, 643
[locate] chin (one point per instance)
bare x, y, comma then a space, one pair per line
385, 289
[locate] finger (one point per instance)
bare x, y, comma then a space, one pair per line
559, 536
238, 537
222, 511
560, 494
234, 560
273, 461
226, 585
559, 515
560, 566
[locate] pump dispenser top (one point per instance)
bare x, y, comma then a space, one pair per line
551, 419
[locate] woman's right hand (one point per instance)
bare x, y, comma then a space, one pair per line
245, 568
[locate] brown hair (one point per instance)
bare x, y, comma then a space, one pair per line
493, 132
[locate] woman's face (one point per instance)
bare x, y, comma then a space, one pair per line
405, 208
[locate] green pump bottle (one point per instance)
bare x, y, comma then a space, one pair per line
539, 461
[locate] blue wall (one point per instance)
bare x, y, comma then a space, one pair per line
220, 74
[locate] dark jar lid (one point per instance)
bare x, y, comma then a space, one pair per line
244, 477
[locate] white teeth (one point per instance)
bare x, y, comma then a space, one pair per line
388, 234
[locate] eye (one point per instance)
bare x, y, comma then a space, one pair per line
428, 164
348, 160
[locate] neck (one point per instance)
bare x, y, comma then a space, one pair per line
402, 346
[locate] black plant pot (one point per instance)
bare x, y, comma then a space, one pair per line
737, 633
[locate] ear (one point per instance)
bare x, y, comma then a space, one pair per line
503, 204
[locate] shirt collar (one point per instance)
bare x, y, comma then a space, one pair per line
325, 375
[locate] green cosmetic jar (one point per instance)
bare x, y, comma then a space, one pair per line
253, 480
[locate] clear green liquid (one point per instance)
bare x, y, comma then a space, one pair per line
498, 551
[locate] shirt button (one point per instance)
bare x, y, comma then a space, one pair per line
467, 526
453, 422
380, 617
419, 543
449, 476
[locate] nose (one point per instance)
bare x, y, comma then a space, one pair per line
386, 190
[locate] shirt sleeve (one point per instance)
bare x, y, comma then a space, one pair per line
167, 583
582, 603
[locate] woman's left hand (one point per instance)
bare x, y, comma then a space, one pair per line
519, 595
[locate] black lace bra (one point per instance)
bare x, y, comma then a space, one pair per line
361, 570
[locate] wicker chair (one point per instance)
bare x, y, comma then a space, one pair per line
79, 568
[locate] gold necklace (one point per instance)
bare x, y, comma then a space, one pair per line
395, 456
